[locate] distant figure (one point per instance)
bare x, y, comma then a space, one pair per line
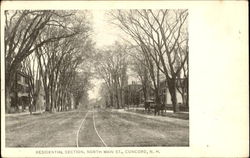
30, 109
160, 107
147, 106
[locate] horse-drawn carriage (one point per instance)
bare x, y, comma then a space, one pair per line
150, 104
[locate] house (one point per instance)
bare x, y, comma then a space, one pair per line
134, 95
131, 94
19, 95
150, 95
181, 93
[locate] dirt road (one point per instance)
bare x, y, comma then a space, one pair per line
94, 128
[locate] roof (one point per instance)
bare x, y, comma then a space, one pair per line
163, 83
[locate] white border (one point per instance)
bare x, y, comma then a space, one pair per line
218, 78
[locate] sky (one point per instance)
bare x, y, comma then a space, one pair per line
104, 34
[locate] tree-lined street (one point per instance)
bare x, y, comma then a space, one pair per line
115, 128
54, 62
113, 79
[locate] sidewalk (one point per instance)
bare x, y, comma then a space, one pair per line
23, 113
167, 113
159, 118
142, 108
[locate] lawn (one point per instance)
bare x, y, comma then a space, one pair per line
126, 130
180, 115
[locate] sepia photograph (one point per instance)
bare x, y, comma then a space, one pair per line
116, 79
68, 87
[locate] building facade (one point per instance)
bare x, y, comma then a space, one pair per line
181, 94
19, 95
132, 94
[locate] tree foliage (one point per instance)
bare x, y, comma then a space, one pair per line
51, 46
162, 37
111, 66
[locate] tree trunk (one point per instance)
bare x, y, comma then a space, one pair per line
157, 101
111, 100
121, 102
117, 100
10, 78
10, 75
7, 100
183, 99
117, 93
187, 93
172, 91
145, 94
47, 106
